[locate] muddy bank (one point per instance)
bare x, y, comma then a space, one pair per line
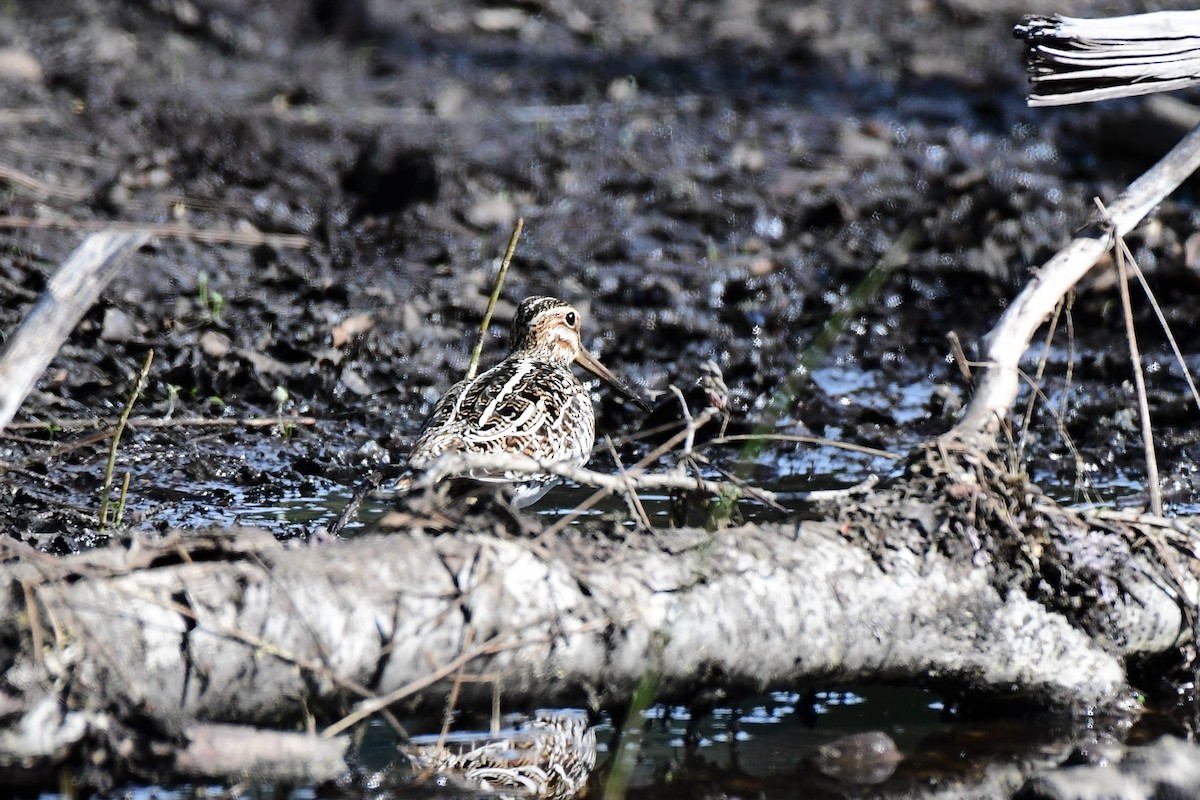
707, 181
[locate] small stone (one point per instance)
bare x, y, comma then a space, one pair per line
215, 344
862, 758
350, 327
496, 210
496, 20
19, 64
355, 383
120, 327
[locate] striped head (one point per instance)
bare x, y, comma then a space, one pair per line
546, 329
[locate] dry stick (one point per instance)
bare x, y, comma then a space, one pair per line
251, 238
801, 439
116, 441
631, 498
455, 687
15, 177
121, 500
1162, 321
369, 707
689, 424
490, 647
473, 367
997, 389
1060, 425
960, 357
1069, 378
1027, 418
71, 292
1139, 383
349, 511
635, 473
157, 422
744, 486
35, 623
19, 116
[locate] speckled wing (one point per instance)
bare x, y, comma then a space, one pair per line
519, 406
549, 757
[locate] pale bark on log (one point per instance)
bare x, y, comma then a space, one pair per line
262, 634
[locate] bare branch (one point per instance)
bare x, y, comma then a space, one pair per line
452, 464
1007, 341
72, 291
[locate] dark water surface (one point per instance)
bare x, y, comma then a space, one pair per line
766, 747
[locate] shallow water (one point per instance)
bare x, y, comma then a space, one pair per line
766, 746
791, 471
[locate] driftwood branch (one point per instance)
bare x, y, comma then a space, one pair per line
1008, 340
72, 291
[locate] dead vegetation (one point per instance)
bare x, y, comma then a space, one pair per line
162, 655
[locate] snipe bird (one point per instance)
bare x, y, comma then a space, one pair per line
529, 404
548, 756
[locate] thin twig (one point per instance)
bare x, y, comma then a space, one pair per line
116, 439
365, 487
451, 464
370, 706
631, 498
1069, 378
15, 177
20, 116
121, 500
752, 492
158, 422
249, 238
35, 623
1139, 379
689, 424
802, 439
649, 458
455, 688
960, 357
473, 367
1027, 418
1059, 423
1162, 321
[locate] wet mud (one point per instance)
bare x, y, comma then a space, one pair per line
704, 180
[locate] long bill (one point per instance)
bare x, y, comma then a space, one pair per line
593, 365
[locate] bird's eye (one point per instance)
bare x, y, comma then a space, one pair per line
570, 319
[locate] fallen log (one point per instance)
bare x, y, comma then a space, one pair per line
234, 627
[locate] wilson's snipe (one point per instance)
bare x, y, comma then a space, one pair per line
529, 404
549, 756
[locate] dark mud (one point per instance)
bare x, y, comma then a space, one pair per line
707, 180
